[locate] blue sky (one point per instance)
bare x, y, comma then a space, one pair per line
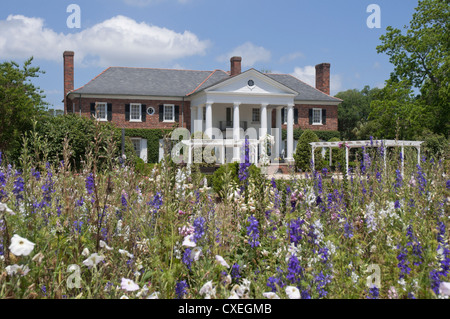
284, 36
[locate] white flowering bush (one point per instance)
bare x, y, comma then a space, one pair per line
116, 234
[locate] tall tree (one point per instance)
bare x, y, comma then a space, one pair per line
20, 102
354, 110
421, 58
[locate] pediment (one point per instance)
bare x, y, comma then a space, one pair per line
251, 82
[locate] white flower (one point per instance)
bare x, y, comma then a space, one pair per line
38, 258
5, 208
16, 269
208, 290
444, 288
292, 292
154, 295
85, 252
104, 245
125, 252
222, 261
196, 253
124, 297
93, 260
188, 241
21, 246
129, 285
233, 295
271, 295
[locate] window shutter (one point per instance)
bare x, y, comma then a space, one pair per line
283, 116
93, 109
324, 116
295, 115
161, 113
143, 112
127, 112
177, 113
109, 115
310, 116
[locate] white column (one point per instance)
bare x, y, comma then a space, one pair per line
193, 118
403, 162
236, 131
199, 126
346, 160
269, 120
263, 130
290, 133
208, 120
278, 126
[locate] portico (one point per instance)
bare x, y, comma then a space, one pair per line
241, 107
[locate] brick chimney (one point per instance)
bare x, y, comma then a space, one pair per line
323, 77
68, 75
235, 65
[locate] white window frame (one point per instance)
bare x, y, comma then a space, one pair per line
140, 112
173, 113
320, 116
258, 112
97, 111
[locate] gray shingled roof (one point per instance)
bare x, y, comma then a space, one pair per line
143, 81
179, 83
306, 92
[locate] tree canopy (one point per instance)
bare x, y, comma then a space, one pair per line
20, 102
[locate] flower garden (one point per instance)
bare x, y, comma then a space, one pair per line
106, 231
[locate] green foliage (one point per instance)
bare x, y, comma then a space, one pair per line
302, 154
20, 102
80, 132
322, 135
354, 110
421, 57
337, 155
435, 145
229, 173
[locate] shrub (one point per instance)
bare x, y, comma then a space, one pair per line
302, 154
219, 178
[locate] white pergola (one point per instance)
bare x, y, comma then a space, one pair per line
374, 143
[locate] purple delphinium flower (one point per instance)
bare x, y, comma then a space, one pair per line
243, 167
321, 280
181, 289
18, 188
403, 262
36, 174
421, 179
235, 272
348, 230
187, 258
374, 293
199, 228
295, 231
398, 179
416, 246
156, 202
294, 271
447, 184
253, 231
89, 183
274, 281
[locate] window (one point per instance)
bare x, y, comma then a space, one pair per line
169, 113
284, 115
101, 112
135, 113
317, 117
255, 116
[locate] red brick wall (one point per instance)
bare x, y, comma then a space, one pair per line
303, 118
152, 121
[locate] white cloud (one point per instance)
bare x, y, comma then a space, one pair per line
250, 54
292, 56
307, 74
116, 41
